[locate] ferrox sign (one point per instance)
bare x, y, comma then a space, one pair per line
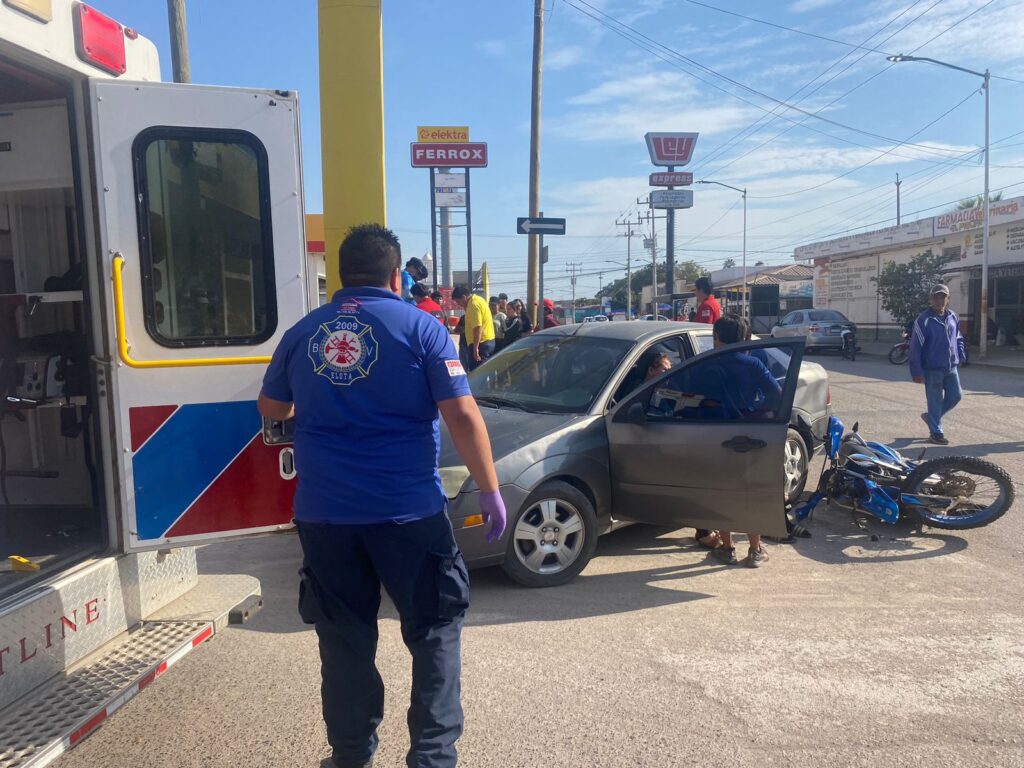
442, 155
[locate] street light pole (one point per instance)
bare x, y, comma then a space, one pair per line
743, 301
983, 319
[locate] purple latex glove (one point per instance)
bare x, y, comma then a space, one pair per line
493, 508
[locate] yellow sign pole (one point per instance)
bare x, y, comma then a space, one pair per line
351, 120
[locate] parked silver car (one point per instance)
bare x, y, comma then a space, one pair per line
820, 328
582, 441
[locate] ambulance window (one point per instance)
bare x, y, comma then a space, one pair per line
205, 237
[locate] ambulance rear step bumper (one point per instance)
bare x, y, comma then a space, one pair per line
36, 730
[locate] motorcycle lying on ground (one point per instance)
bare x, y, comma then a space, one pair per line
951, 492
849, 343
900, 353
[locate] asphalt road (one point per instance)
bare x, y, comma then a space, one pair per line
841, 651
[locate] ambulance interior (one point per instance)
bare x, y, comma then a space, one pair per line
50, 506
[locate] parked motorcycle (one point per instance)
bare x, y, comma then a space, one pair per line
900, 353
849, 343
952, 492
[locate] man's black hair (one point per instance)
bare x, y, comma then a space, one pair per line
460, 292
729, 329
492, 300
437, 296
418, 291
703, 284
502, 297
417, 269
368, 255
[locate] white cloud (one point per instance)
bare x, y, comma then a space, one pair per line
563, 58
496, 48
803, 6
657, 86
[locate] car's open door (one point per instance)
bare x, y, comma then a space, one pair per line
703, 445
201, 226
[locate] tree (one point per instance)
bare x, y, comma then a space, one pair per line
973, 202
904, 288
729, 263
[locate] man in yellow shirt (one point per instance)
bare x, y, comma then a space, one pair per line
479, 326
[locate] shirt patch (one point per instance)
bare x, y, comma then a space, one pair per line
455, 368
343, 350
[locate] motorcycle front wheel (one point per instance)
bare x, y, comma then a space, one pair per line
899, 354
958, 492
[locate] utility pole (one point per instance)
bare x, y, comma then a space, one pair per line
181, 70
533, 263
446, 241
573, 268
628, 224
652, 223
898, 182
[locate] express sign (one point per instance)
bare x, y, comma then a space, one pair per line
663, 179
671, 148
436, 155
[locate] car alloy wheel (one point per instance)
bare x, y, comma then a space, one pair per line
549, 536
794, 466
553, 536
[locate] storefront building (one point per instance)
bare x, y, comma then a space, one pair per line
845, 269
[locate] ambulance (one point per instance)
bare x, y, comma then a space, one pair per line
152, 254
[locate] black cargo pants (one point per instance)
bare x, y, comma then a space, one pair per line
422, 569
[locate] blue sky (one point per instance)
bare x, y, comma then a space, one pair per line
467, 62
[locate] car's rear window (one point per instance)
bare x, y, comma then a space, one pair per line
826, 316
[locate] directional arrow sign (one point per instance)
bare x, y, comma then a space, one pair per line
526, 225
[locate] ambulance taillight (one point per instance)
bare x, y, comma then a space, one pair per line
99, 40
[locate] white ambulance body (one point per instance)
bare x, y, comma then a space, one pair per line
151, 256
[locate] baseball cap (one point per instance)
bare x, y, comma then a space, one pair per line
549, 303
939, 289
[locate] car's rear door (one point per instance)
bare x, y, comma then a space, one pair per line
703, 445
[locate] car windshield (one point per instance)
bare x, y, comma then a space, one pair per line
548, 373
826, 316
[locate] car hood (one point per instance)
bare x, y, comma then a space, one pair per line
509, 429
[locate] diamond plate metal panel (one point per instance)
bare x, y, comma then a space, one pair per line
57, 624
35, 727
165, 576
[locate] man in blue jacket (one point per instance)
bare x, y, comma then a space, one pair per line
937, 349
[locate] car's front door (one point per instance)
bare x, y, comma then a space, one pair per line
703, 445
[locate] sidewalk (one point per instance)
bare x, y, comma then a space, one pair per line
1007, 359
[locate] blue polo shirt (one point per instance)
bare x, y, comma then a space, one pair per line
366, 373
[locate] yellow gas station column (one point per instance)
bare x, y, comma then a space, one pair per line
351, 120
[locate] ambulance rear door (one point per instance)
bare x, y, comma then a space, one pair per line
201, 227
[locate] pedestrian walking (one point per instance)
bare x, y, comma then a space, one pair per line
365, 378
937, 350
479, 326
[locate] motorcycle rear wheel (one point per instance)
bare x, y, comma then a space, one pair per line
899, 354
982, 492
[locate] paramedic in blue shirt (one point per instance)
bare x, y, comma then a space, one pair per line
415, 270
365, 377
937, 349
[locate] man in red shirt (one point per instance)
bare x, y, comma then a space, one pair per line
549, 314
427, 304
708, 310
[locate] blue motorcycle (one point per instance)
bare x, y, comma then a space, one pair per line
952, 492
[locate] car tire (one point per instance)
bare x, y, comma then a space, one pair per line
795, 466
552, 537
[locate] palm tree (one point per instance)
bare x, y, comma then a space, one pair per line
973, 202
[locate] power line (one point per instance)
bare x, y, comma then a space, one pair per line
676, 54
